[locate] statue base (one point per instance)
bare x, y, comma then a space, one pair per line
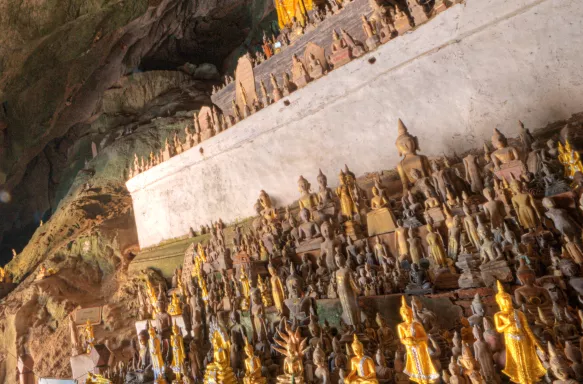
302, 81
311, 245
436, 215
316, 73
495, 270
418, 291
341, 57
438, 7
402, 25
470, 277
515, 168
443, 278
380, 221
419, 15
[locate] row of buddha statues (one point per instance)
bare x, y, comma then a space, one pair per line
384, 23
246, 305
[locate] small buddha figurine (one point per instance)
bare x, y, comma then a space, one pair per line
528, 215
484, 357
325, 194
562, 221
308, 231
348, 291
415, 247
522, 362
293, 347
307, 199
385, 335
175, 306
348, 203
470, 365
219, 370
419, 366
276, 94
380, 219
573, 250
322, 373
253, 373
315, 67
435, 247
559, 367
245, 290
478, 311
503, 154
408, 146
300, 76
178, 353
362, 367
89, 336
529, 295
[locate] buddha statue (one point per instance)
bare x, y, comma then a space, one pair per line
276, 289
435, 246
322, 372
522, 362
419, 366
293, 347
530, 296
219, 371
178, 352
408, 146
380, 219
297, 303
308, 232
503, 153
528, 214
362, 367
341, 53
175, 306
385, 335
253, 373
348, 291
245, 290
315, 67
307, 199
268, 210
300, 75
348, 202
155, 347
326, 197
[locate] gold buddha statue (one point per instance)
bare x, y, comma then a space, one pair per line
89, 336
307, 199
157, 361
265, 294
94, 378
245, 290
219, 371
293, 347
348, 206
289, 11
178, 354
503, 154
419, 366
522, 362
407, 145
252, 367
362, 368
175, 306
380, 219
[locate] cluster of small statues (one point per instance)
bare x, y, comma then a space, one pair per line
249, 307
385, 22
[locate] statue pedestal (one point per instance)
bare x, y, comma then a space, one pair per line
417, 12
402, 25
515, 168
495, 270
470, 266
380, 221
439, 7
340, 57
372, 42
94, 362
311, 245
443, 278
301, 81
436, 215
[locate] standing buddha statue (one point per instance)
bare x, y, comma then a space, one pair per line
178, 353
407, 145
348, 206
156, 358
245, 290
419, 366
276, 289
522, 363
362, 368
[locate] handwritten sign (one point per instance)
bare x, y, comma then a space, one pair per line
93, 314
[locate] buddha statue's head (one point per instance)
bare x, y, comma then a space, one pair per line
498, 139
406, 143
406, 311
375, 191
357, 347
322, 179
503, 299
143, 337
303, 185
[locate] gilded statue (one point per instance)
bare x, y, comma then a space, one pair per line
178, 353
292, 11
362, 367
528, 214
292, 346
276, 289
419, 366
219, 371
245, 290
307, 199
155, 347
175, 306
252, 367
89, 336
407, 145
348, 203
522, 362
503, 154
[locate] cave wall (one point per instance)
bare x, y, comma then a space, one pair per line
475, 67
